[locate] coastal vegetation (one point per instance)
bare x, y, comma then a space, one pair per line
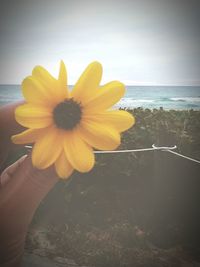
133, 209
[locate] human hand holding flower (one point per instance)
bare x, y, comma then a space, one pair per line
64, 127
22, 187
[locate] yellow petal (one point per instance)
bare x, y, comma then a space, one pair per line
43, 76
63, 167
47, 148
99, 135
34, 92
62, 85
79, 154
62, 74
53, 86
86, 86
107, 96
119, 119
33, 116
27, 137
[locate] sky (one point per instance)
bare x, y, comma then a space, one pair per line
139, 42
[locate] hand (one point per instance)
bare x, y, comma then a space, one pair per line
22, 187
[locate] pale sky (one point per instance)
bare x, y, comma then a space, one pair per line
138, 42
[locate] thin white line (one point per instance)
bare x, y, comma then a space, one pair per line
137, 150
168, 149
123, 151
180, 155
129, 150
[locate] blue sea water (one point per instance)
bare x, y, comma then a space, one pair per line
168, 97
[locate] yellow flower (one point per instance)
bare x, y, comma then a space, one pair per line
65, 126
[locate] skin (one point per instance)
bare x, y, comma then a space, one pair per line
22, 188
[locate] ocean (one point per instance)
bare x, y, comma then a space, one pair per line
168, 97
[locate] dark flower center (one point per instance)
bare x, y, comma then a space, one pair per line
67, 114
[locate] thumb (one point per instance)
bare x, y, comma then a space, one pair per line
10, 171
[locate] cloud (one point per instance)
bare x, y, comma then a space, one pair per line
141, 41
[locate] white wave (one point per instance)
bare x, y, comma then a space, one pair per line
132, 103
131, 100
186, 99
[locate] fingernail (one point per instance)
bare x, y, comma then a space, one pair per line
23, 158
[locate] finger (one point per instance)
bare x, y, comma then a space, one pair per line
25, 190
9, 171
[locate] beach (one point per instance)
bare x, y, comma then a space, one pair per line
133, 209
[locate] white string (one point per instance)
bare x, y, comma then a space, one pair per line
135, 150
129, 150
153, 148
182, 156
